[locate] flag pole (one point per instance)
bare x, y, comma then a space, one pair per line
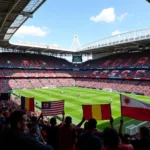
110, 110
121, 106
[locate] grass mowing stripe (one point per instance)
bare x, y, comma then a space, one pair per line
73, 103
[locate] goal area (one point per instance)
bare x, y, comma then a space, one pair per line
108, 90
134, 129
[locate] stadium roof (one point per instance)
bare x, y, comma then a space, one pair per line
14, 13
133, 40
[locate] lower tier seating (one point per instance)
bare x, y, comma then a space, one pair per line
142, 87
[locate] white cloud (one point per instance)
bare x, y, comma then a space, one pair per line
116, 32
107, 15
31, 31
122, 16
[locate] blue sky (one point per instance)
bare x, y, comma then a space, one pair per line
57, 21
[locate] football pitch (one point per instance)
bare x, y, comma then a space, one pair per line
73, 103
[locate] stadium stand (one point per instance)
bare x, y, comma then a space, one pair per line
121, 60
116, 72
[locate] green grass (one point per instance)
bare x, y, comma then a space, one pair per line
73, 103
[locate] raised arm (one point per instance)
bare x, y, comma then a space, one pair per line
80, 124
120, 127
111, 122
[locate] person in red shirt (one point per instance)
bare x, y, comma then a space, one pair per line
67, 135
112, 142
82, 130
88, 140
53, 134
143, 143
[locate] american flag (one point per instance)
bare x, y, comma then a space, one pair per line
53, 108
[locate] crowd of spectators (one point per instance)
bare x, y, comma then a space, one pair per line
131, 86
35, 75
121, 74
116, 60
25, 130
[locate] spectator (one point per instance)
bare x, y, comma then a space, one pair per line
88, 140
82, 130
125, 138
15, 138
67, 135
34, 133
35, 121
144, 142
112, 142
53, 134
144, 132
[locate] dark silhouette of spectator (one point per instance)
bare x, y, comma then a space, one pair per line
143, 143
53, 134
88, 140
67, 135
34, 133
82, 130
112, 142
15, 138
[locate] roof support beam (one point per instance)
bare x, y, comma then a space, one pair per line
16, 47
5, 13
6, 33
16, 3
30, 48
5, 27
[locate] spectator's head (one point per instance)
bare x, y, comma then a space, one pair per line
144, 143
126, 139
92, 124
144, 132
33, 119
68, 120
53, 121
18, 120
86, 125
111, 138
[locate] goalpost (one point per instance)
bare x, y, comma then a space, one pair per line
108, 90
134, 129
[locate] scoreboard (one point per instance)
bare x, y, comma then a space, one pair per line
77, 59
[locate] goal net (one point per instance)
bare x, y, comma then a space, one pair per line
134, 129
107, 89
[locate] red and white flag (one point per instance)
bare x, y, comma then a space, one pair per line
133, 108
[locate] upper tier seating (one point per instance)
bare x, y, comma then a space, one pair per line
117, 60
121, 74
120, 60
29, 60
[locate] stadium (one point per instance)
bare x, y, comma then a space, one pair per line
98, 71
